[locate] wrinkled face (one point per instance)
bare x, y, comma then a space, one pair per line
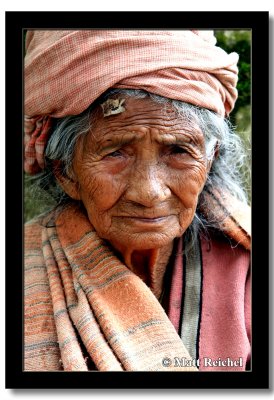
139, 175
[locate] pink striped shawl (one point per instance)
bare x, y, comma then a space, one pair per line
85, 310
75, 285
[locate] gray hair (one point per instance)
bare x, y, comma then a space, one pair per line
226, 170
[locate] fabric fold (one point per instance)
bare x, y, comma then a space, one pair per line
71, 355
55, 60
85, 310
119, 320
233, 216
223, 320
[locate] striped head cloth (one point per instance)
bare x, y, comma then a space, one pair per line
66, 71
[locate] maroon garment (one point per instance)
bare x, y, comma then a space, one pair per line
224, 328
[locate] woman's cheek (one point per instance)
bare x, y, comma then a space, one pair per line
185, 218
101, 192
190, 189
187, 185
115, 165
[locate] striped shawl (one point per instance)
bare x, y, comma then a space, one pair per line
85, 310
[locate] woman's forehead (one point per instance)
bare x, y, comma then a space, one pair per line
130, 106
139, 115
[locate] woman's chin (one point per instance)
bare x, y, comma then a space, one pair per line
142, 241
141, 233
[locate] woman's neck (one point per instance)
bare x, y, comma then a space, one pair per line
150, 265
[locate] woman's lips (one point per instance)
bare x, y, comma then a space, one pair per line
147, 220
150, 220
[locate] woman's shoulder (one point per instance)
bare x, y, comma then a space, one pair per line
33, 231
232, 216
222, 251
38, 222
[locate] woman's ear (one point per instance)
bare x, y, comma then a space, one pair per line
68, 184
215, 155
216, 150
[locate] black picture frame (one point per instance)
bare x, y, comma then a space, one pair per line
16, 23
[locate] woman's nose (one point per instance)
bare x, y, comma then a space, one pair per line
147, 186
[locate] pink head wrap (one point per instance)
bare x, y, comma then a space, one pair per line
65, 71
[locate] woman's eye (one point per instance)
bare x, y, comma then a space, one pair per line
177, 150
116, 153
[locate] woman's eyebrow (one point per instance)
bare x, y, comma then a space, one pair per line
179, 139
115, 141
165, 139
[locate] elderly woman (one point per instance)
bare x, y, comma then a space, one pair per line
143, 265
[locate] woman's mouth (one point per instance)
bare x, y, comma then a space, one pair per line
149, 220
141, 220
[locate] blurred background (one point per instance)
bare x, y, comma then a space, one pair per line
238, 41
